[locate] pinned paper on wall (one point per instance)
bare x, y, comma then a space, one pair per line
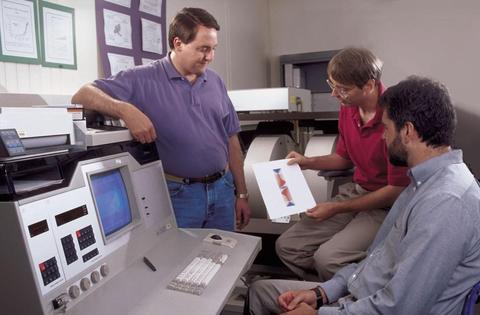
120, 62
118, 29
151, 7
152, 36
283, 187
125, 3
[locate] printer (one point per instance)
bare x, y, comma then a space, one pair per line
20, 129
87, 226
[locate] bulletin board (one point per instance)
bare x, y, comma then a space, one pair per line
129, 33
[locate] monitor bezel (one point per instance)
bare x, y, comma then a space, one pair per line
134, 211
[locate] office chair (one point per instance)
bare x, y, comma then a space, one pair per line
471, 299
337, 178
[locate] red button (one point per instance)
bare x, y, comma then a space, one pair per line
42, 267
79, 234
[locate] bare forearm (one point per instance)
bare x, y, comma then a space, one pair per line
327, 162
95, 99
381, 198
236, 164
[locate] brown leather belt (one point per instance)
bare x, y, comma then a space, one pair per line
209, 179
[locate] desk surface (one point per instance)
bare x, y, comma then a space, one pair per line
140, 291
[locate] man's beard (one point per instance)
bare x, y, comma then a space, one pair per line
397, 155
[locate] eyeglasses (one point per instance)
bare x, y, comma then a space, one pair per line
342, 91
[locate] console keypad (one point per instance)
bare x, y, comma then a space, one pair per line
90, 255
85, 237
69, 249
49, 270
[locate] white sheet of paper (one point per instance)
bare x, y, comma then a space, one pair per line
17, 29
125, 3
283, 187
153, 7
152, 36
285, 219
120, 62
58, 34
118, 29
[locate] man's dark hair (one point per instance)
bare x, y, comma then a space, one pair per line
426, 104
355, 66
185, 24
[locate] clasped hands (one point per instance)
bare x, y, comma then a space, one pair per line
300, 302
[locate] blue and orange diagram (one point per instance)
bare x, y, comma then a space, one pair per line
282, 184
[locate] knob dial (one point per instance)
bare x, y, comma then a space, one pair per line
95, 276
85, 284
104, 270
74, 291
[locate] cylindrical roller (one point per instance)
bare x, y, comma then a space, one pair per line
263, 149
319, 145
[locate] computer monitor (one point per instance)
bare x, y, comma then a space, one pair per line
114, 202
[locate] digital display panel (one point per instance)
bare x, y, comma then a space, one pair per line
71, 215
38, 228
111, 199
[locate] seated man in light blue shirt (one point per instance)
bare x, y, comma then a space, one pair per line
426, 255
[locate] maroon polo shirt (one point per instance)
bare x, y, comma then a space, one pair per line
365, 147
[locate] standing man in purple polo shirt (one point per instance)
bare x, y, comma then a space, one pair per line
184, 107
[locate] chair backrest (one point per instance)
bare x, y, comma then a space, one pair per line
471, 300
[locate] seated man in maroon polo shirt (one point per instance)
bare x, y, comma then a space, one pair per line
338, 232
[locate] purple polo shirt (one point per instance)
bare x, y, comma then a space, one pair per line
193, 122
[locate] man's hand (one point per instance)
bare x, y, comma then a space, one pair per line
93, 98
242, 211
140, 126
296, 158
302, 309
323, 211
290, 300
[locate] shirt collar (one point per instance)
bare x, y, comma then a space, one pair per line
377, 119
172, 73
420, 173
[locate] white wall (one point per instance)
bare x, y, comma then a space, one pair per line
240, 59
436, 38
243, 43
23, 78
439, 38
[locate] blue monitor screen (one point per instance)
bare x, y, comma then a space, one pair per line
112, 200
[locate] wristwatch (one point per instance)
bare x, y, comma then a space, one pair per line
242, 196
318, 293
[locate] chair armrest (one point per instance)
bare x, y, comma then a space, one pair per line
330, 175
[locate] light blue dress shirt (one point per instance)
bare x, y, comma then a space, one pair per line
426, 256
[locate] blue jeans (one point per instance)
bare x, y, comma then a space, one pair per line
200, 205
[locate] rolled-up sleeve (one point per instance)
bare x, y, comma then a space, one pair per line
120, 86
